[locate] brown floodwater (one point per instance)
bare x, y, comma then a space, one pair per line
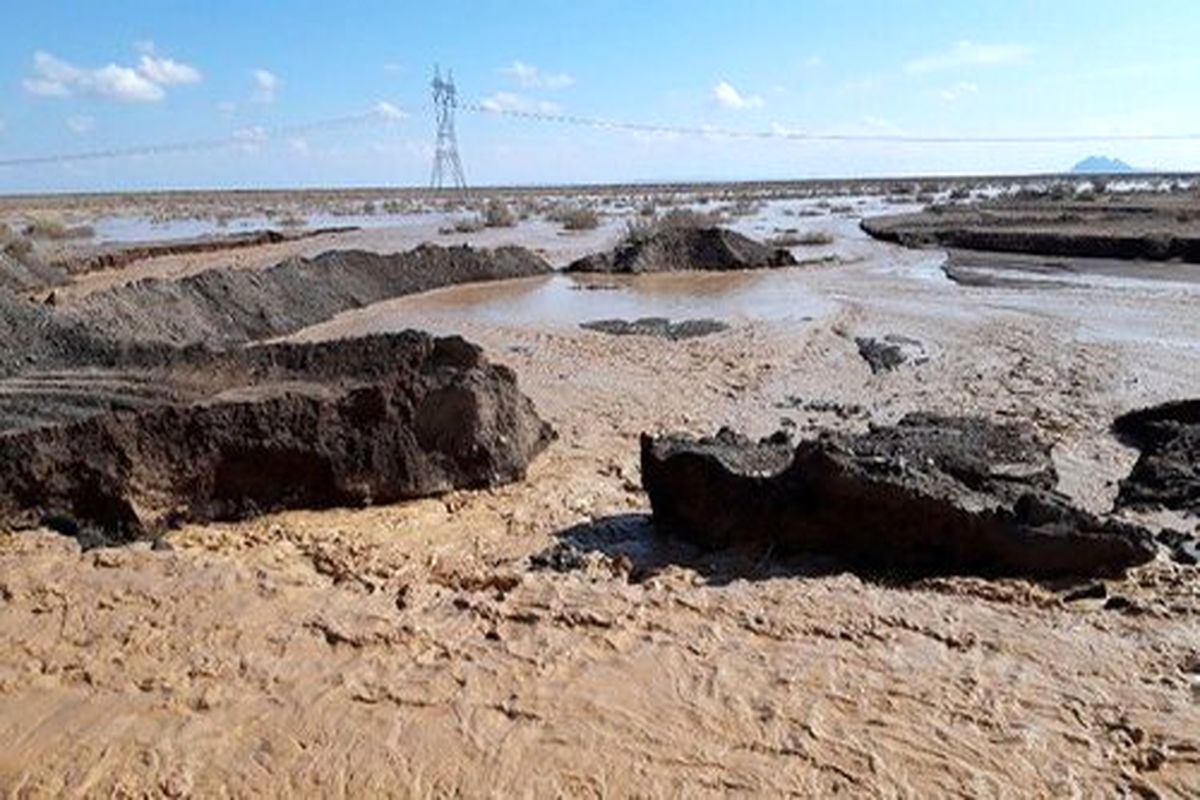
558, 301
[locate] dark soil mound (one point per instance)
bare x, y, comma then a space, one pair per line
931, 495
348, 422
233, 306
675, 249
657, 326
1167, 474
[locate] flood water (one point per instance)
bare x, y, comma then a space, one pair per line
559, 301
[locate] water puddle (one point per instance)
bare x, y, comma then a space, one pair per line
561, 301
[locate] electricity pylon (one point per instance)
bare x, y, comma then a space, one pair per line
446, 164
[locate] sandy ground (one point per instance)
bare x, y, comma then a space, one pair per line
414, 650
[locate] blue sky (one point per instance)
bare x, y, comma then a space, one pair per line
83, 76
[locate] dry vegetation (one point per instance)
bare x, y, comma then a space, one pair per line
497, 214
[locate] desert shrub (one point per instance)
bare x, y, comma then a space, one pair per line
14, 244
960, 193
291, 219
688, 218
48, 227
648, 210
497, 214
806, 239
468, 225
577, 218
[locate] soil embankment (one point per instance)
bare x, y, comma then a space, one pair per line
231, 306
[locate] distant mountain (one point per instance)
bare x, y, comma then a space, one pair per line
1101, 165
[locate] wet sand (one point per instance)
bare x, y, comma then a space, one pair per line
413, 650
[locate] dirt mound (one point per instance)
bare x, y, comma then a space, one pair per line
1167, 474
27, 274
32, 335
673, 249
233, 306
931, 495
1153, 229
347, 422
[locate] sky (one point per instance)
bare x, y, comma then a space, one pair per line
90, 76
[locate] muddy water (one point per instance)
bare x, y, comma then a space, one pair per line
561, 301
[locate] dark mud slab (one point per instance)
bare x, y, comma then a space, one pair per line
931, 495
349, 422
1167, 474
678, 249
660, 327
889, 352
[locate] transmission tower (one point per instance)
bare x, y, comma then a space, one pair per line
446, 164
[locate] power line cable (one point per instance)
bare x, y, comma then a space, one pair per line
781, 133
248, 136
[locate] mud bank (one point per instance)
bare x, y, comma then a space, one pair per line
931, 495
346, 423
118, 256
674, 249
1136, 228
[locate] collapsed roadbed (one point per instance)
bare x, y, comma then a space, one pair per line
348, 422
930, 495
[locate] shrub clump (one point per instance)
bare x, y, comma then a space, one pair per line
577, 218
497, 214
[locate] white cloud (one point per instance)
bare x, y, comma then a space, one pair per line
299, 145
530, 77
227, 108
81, 123
393, 67
958, 90
386, 110
125, 85
814, 62
507, 101
266, 85
167, 72
729, 97
2, 126
54, 77
968, 54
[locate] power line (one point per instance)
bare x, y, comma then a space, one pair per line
782, 133
246, 137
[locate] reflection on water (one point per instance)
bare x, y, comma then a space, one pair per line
119, 230
562, 300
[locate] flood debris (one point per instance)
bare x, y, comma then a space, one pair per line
929, 495
343, 423
685, 248
657, 326
891, 351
